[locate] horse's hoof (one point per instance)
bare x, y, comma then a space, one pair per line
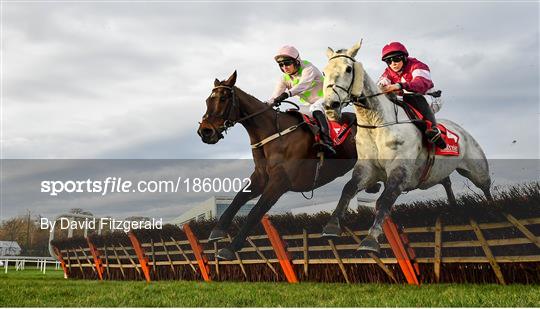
331, 230
216, 235
370, 244
374, 189
226, 254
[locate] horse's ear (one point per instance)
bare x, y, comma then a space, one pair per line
354, 49
216, 82
232, 79
329, 52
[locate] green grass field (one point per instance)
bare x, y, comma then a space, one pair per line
30, 288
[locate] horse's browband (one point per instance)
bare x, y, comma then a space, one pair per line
226, 87
342, 56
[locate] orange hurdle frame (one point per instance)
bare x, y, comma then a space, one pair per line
62, 263
279, 248
97, 260
202, 260
410, 251
141, 256
402, 256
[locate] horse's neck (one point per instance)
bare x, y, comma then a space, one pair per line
260, 126
380, 109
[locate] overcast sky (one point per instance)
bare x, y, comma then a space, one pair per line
119, 80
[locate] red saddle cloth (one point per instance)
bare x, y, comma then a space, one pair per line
452, 142
451, 138
338, 131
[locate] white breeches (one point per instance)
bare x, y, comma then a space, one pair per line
317, 106
308, 109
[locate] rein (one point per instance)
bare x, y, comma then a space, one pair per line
230, 123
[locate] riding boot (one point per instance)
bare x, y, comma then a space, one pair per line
325, 142
433, 133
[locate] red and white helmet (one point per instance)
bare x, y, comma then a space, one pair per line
287, 51
394, 48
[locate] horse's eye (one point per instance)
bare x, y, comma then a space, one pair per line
348, 69
221, 99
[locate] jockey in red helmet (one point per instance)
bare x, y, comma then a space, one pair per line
411, 77
301, 78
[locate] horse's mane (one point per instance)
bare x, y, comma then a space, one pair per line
369, 85
242, 92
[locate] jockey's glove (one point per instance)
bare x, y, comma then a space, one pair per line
281, 97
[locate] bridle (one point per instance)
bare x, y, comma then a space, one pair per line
227, 113
349, 89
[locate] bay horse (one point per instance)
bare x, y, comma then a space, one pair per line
286, 163
390, 147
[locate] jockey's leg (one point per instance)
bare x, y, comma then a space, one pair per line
318, 113
432, 133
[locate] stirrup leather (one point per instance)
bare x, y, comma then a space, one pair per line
434, 134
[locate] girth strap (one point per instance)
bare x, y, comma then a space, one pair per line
276, 135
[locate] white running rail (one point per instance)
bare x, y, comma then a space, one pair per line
20, 262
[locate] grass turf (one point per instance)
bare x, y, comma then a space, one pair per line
30, 288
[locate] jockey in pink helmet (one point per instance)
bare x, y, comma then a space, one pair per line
301, 78
412, 79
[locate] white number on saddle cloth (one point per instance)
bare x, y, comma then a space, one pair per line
336, 129
452, 144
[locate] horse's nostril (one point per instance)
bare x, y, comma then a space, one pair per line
334, 105
206, 132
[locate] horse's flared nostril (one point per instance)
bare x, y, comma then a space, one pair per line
206, 132
334, 105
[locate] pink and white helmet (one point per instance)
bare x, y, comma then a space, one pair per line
287, 51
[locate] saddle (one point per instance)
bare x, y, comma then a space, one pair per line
451, 138
338, 131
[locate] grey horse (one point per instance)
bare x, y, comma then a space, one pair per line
390, 147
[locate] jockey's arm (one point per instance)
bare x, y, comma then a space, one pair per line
279, 89
421, 80
384, 80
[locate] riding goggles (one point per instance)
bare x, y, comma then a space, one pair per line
285, 63
395, 59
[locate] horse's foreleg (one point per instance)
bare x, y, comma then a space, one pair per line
351, 188
274, 190
392, 189
447, 184
220, 230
